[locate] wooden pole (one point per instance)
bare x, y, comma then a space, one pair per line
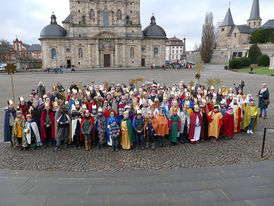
12, 88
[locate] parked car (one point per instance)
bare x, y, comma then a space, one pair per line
2, 67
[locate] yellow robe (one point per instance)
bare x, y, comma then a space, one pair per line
213, 127
250, 110
125, 142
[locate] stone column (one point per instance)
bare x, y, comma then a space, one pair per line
116, 53
124, 54
89, 55
271, 66
97, 53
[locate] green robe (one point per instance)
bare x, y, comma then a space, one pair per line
14, 138
174, 128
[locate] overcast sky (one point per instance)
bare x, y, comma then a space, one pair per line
26, 18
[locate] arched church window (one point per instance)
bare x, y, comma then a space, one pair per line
132, 52
91, 15
156, 52
119, 15
80, 53
53, 53
83, 19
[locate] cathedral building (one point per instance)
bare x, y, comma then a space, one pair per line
235, 38
103, 33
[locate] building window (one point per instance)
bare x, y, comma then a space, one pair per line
132, 52
105, 18
223, 29
254, 23
68, 50
119, 15
156, 52
80, 53
143, 49
235, 35
83, 19
53, 53
91, 15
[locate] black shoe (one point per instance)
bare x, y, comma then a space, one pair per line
57, 149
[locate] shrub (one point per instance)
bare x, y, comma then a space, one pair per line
245, 62
271, 37
264, 60
235, 63
261, 36
254, 54
239, 63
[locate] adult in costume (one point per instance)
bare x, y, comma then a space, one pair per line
263, 95
47, 125
238, 115
110, 119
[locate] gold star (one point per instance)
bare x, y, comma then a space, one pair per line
10, 69
191, 83
218, 81
199, 67
210, 81
197, 76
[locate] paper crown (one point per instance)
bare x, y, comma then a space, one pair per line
84, 106
21, 99
94, 107
45, 96
100, 109
139, 111
46, 104
196, 107
55, 104
77, 102
29, 115
73, 108
10, 102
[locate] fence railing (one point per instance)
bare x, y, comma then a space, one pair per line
263, 145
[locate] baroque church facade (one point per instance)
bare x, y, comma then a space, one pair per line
235, 38
103, 33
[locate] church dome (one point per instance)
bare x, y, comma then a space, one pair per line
53, 30
153, 31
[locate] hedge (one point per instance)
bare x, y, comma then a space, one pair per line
239, 63
264, 60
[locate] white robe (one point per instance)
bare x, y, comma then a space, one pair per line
34, 128
73, 126
197, 132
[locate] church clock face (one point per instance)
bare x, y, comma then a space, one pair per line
67, 50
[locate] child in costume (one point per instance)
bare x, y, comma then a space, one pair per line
32, 133
162, 126
185, 123
196, 126
10, 115
86, 130
114, 134
75, 124
150, 129
251, 117
101, 128
228, 126
18, 135
138, 125
174, 126
215, 119
128, 137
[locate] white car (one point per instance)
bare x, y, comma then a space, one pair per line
2, 67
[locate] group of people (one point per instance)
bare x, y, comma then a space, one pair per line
127, 116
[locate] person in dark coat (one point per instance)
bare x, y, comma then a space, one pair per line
263, 95
10, 115
36, 111
41, 90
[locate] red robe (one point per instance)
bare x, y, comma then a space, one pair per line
25, 109
228, 126
93, 128
43, 119
193, 118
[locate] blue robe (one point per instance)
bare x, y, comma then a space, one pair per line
7, 130
109, 121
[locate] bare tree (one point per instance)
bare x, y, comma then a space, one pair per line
208, 38
216, 32
4, 50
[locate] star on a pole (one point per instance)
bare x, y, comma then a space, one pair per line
210, 81
191, 83
199, 67
11, 69
217, 81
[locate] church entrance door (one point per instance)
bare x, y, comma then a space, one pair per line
143, 62
106, 60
